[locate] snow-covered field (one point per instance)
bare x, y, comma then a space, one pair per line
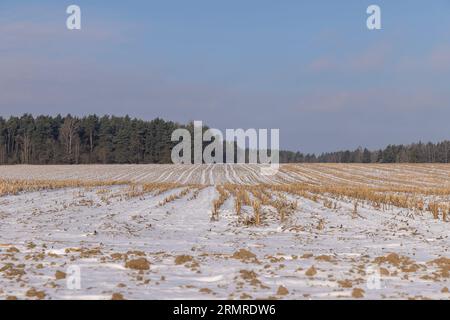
310, 240
423, 175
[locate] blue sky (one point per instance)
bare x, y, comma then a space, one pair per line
310, 68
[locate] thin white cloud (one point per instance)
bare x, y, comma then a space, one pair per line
374, 57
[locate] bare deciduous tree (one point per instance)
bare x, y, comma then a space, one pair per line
67, 133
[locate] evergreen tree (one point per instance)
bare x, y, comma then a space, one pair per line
109, 139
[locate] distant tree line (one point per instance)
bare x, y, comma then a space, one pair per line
412, 153
91, 139
110, 139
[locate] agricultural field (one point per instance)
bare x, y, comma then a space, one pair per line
312, 231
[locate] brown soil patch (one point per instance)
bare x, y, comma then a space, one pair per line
244, 255
358, 293
138, 264
345, 283
182, 259
444, 266
11, 271
33, 293
60, 275
248, 275
252, 278
384, 272
117, 296
311, 272
392, 258
89, 253
118, 256
282, 291
136, 253
206, 290
405, 264
273, 259
325, 258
